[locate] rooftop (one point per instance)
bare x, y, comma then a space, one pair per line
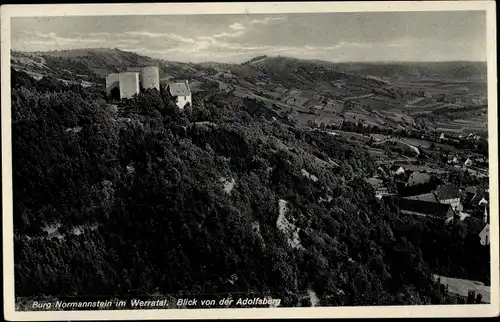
474, 225
375, 182
417, 178
480, 194
430, 197
447, 191
424, 207
471, 189
179, 89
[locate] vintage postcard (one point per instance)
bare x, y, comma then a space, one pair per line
249, 160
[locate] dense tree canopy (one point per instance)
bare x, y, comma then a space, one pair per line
138, 202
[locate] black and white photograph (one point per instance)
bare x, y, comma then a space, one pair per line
250, 160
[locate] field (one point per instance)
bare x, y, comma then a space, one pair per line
416, 142
461, 287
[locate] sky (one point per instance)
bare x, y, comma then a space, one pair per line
235, 38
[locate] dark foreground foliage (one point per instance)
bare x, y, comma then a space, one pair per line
137, 203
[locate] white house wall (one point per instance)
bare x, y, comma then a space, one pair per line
183, 100
485, 235
129, 84
112, 81
455, 203
150, 78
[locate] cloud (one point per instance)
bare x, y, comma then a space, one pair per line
229, 35
237, 26
397, 45
266, 20
170, 36
353, 44
53, 38
96, 34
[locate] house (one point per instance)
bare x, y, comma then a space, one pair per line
397, 170
418, 178
228, 75
468, 162
484, 235
441, 137
280, 90
181, 92
469, 193
483, 201
449, 194
471, 190
426, 208
429, 197
453, 159
480, 160
480, 198
474, 225
486, 217
379, 187
479, 228
381, 171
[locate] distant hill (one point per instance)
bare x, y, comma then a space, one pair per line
255, 59
302, 73
102, 61
450, 71
94, 64
99, 61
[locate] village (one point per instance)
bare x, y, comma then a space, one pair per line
451, 187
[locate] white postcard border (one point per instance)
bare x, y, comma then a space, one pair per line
7, 12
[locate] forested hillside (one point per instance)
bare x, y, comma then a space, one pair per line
224, 197
292, 72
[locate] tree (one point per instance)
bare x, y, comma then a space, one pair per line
115, 94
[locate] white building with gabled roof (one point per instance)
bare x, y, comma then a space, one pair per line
181, 92
449, 194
